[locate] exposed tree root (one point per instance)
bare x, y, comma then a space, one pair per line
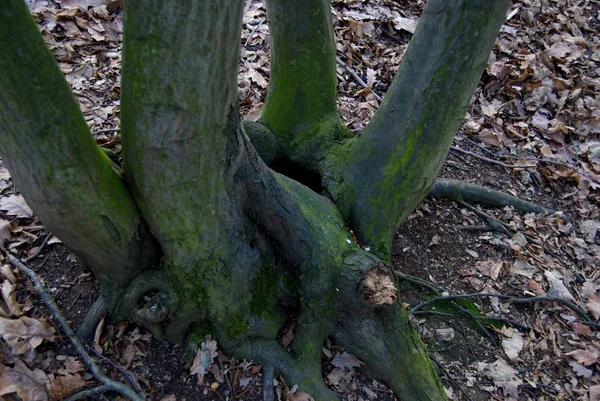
98, 309
268, 387
461, 190
386, 341
108, 384
304, 373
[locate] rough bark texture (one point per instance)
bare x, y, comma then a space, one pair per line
181, 148
300, 110
53, 159
243, 246
395, 160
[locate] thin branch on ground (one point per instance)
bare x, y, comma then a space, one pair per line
418, 281
108, 384
447, 374
526, 158
467, 312
492, 222
514, 323
502, 227
474, 228
487, 159
40, 249
262, 21
356, 77
107, 131
222, 370
119, 368
509, 299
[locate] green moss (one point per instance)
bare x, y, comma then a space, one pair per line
236, 325
198, 331
264, 290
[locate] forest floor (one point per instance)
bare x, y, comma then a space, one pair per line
531, 131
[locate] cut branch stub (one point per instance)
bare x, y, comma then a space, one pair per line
378, 289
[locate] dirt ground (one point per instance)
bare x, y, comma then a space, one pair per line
533, 351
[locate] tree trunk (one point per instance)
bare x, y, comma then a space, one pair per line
53, 159
243, 246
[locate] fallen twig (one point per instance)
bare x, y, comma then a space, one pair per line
473, 228
520, 326
492, 222
119, 368
526, 158
492, 161
85, 394
356, 77
222, 369
479, 324
262, 21
418, 281
443, 369
40, 249
509, 299
108, 384
107, 131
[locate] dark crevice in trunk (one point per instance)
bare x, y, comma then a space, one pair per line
309, 178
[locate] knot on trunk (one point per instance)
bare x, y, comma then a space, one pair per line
155, 307
378, 289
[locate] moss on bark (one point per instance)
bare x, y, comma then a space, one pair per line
244, 246
52, 157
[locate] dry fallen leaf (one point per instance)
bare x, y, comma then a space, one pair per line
15, 205
593, 306
513, 343
25, 334
300, 397
204, 359
72, 365
25, 383
257, 77
406, 24
504, 376
557, 285
580, 370
346, 361
10, 298
60, 387
585, 357
335, 376
4, 232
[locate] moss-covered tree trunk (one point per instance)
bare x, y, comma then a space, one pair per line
243, 247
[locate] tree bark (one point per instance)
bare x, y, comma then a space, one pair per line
243, 245
300, 109
394, 161
181, 148
53, 159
